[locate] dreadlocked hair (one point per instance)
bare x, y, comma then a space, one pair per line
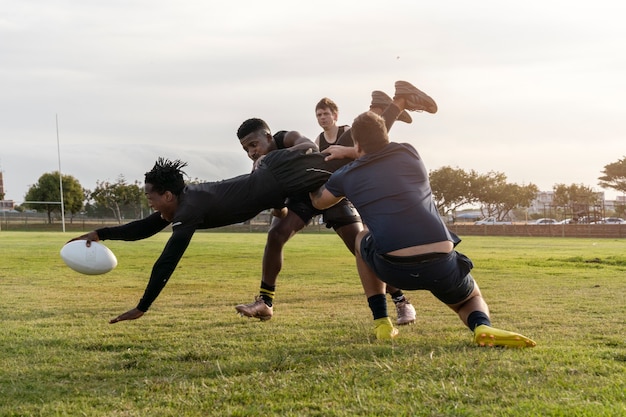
167, 175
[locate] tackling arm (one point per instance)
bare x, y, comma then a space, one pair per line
322, 198
295, 141
340, 152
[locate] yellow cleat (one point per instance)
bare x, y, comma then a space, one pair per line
490, 337
384, 330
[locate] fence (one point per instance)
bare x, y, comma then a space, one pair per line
14, 221
39, 222
542, 230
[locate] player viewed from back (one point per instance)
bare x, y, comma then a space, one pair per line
406, 242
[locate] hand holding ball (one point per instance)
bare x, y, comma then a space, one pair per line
95, 259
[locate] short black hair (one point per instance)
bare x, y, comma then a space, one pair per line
252, 125
167, 175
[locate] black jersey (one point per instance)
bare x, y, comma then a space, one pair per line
279, 139
341, 139
280, 174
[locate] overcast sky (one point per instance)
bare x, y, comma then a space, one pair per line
535, 90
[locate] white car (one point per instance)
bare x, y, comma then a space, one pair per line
491, 220
544, 221
611, 220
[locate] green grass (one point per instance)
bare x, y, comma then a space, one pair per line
191, 355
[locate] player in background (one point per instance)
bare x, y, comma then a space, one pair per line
343, 217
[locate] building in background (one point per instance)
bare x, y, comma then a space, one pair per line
5, 205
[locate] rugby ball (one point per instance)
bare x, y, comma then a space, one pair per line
89, 260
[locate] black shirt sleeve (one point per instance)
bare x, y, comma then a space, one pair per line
139, 229
166, 264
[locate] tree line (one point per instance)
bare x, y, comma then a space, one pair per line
453, 188
120, 199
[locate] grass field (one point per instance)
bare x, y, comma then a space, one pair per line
191, 355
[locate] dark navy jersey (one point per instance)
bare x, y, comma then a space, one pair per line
391, 191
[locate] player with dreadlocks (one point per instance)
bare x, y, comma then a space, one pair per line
278, 175
213, 204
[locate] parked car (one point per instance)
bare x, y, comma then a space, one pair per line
544, 221
491, 220
566, 221
614, 220
611, 220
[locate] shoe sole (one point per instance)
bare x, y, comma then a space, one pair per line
262, 318
425, 102
385, 101
243, 313
405, 323
490, 337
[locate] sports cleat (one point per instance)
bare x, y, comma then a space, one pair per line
490, 337
406, 313
382, 100
416, 100
258, 309
384, 330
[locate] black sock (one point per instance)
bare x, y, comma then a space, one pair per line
378, 305
477, 318
397, 296
267, 293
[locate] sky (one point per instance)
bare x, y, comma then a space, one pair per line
535, 90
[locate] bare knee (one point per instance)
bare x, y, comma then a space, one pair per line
474, 297
283, 229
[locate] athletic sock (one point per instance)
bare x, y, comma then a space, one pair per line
267, 293
378, 305
397, 296
477, 318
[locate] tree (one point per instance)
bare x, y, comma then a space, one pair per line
452, 188
47, 190
614, 176
119, 195
575, 198
498, 197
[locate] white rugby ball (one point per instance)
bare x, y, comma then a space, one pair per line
89, 260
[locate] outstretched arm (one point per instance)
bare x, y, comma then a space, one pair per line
322, 198
161, 273
135, 230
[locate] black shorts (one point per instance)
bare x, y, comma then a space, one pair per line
447, 277
341, 214
298, 171
301, 205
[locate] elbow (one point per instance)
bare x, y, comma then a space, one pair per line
315, 201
